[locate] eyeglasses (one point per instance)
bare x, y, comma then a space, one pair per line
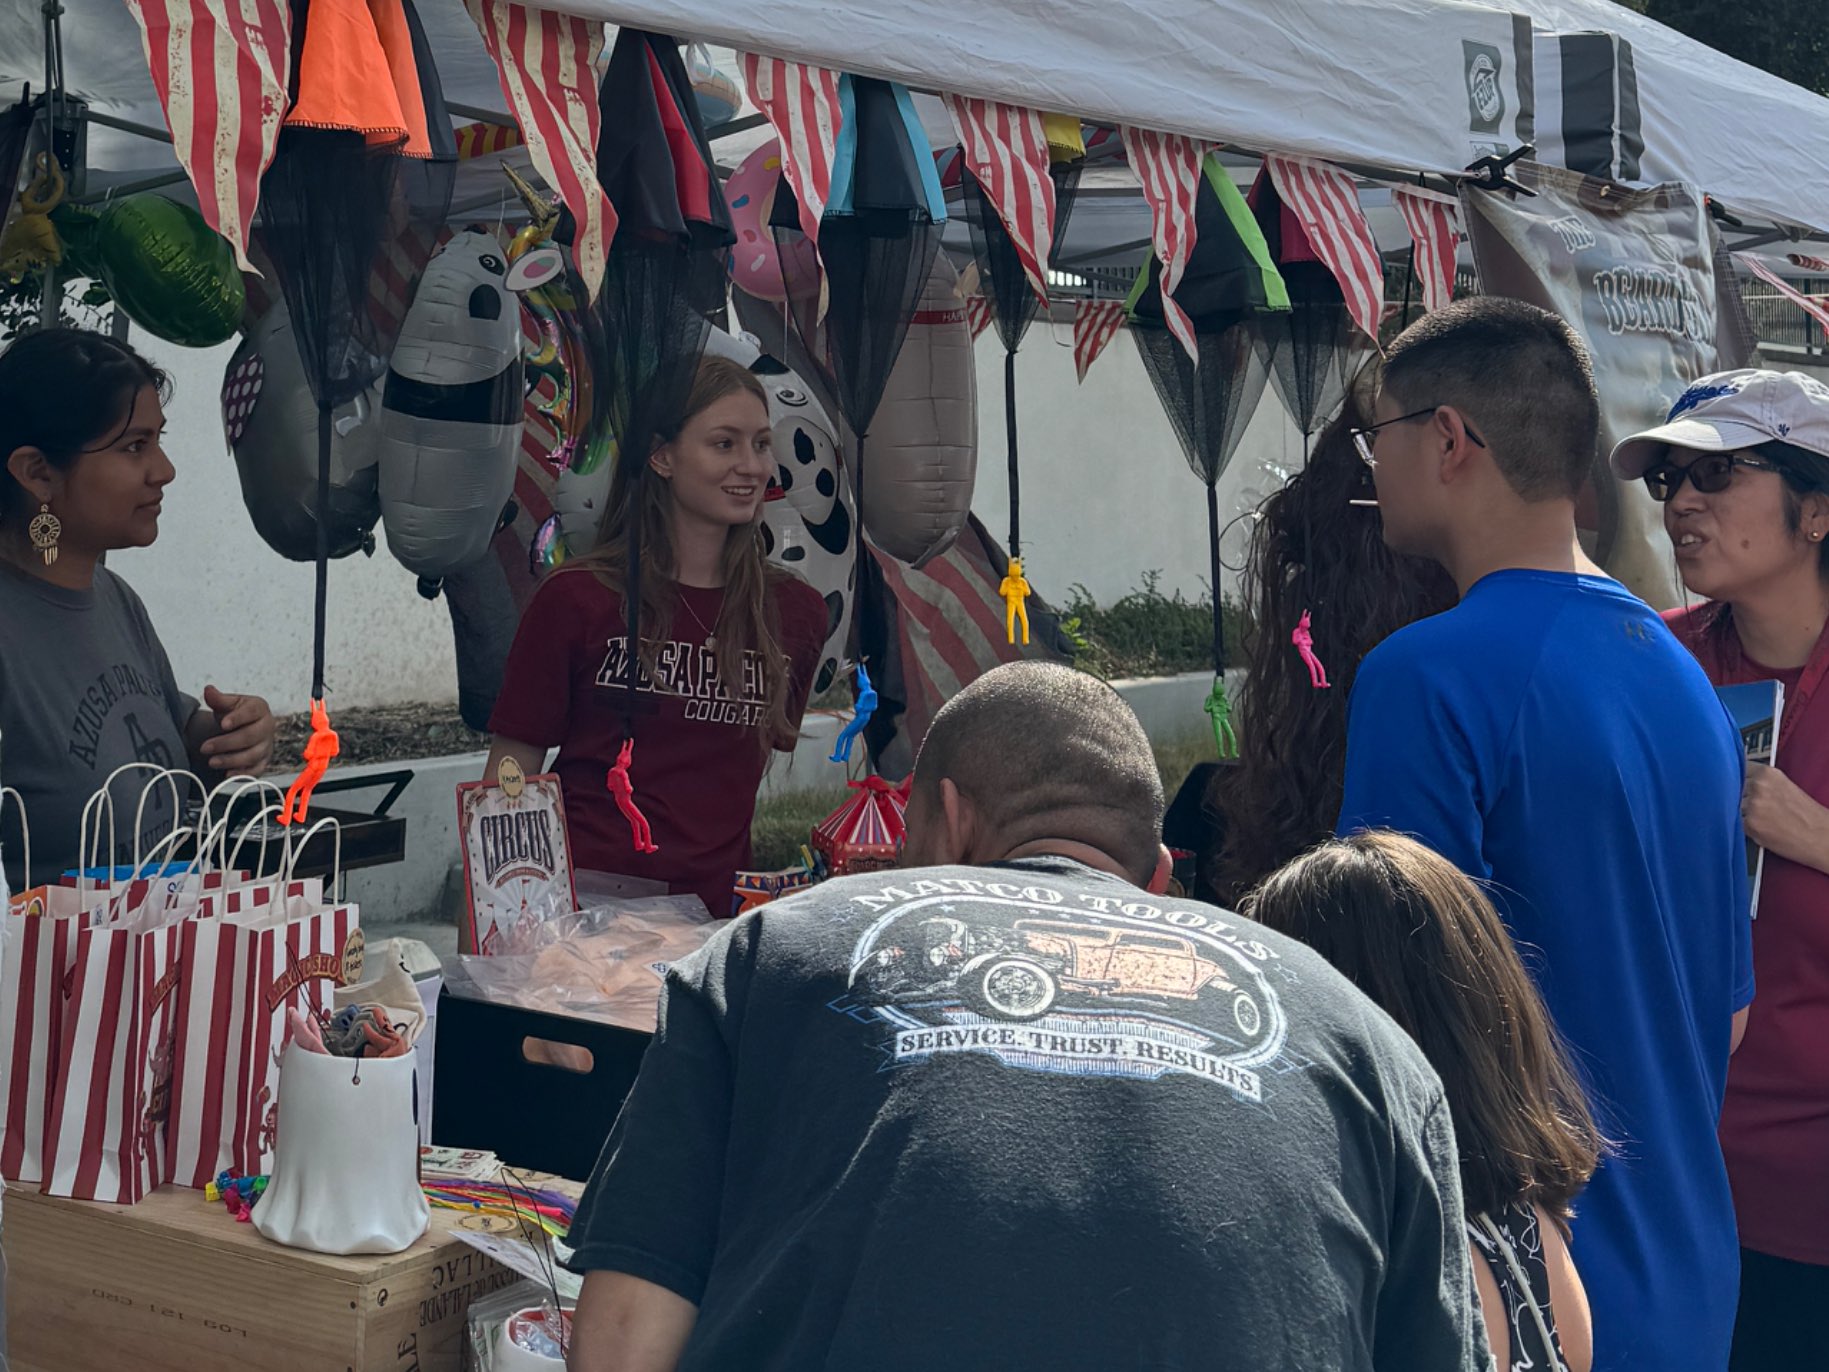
1709, 474
1363, 439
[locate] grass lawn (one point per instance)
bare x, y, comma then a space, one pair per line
783, 823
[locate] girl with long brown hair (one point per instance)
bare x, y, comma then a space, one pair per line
729, 645
1406, 927
1311, 548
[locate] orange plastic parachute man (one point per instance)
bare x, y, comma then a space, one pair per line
320, 748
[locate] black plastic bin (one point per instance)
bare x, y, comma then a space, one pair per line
530, 1114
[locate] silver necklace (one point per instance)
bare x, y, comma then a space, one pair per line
711, 636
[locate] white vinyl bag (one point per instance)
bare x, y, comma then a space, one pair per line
345, 1170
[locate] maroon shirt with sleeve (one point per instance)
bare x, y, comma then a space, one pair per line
1775, 1123
697, 763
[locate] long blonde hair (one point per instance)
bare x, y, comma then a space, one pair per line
747, 621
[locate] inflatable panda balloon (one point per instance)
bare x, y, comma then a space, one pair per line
451, 410
922, 456
271, 422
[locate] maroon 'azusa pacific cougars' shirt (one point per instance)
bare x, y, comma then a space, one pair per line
697, 765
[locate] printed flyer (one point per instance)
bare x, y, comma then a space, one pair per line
517, 866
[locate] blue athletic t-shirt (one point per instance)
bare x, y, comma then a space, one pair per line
1551, 737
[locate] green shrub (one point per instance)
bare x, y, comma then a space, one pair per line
1147, 633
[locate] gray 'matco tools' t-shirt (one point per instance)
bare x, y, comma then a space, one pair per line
85, 687
1029, 1116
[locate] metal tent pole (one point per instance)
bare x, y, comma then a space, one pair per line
51, 301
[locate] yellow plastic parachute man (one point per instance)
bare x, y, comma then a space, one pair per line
1015, 590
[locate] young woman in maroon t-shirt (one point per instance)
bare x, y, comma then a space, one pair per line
729, 645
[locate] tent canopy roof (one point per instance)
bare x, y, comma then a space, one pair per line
1379, 84
1376, 83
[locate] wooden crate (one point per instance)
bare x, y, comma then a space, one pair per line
174, 1284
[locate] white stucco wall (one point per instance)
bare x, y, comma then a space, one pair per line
1106, 498
1106, 492
234, 613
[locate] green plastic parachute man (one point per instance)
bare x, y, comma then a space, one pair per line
1219, 709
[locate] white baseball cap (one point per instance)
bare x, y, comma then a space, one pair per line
1728, 411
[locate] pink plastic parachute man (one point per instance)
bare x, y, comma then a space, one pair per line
1304, 639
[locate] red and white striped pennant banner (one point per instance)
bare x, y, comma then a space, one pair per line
1433, 220
1168, 165
221, 70
801, 105
977, 314
1095, 323
1814, 306
1808, 263
1326, 201
1007, 150
546, 62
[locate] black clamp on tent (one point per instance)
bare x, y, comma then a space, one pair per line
1495, 170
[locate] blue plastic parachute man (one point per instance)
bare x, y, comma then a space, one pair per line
860, 716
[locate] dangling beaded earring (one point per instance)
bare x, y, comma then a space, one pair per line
44, 530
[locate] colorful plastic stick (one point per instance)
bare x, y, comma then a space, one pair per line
1303, 637
860, 716
1219, 709
1015, 591
623, 788
320, 748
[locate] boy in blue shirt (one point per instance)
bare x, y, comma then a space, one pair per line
1549, 736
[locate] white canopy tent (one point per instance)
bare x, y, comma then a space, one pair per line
1397, 87
1385, 85
1370, 83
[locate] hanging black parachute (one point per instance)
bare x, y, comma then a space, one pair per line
1229, 288
365, 161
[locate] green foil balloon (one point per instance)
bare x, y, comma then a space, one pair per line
174, 275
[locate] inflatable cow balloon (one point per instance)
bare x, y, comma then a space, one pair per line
271, 422
922, 457
451, 410
811, 527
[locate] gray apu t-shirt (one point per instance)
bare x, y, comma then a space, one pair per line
1031, 1117
85, 687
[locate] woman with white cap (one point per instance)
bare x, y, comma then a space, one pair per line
1741, 468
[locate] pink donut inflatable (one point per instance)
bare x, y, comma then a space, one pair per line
755, 265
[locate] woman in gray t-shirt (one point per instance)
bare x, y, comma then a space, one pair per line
85, 685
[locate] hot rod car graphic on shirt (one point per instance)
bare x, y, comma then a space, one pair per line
1036, 965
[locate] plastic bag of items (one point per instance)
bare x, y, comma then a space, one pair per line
606, 963
517, 1329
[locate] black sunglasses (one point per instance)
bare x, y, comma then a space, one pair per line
1364, 438
1709, 474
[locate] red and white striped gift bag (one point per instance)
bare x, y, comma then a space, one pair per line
35, 952
294, 962
105, 1138
215, 997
